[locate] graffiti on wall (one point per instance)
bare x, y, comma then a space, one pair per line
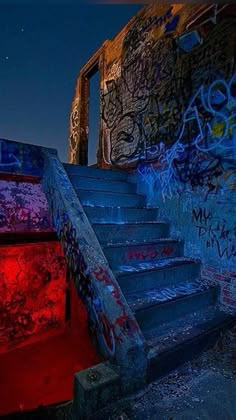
208, 158
74, 127
162, 81
108, 333
171, 113
23, 207
32, 297
215, 234
110, 319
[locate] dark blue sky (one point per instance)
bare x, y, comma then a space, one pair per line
42, 49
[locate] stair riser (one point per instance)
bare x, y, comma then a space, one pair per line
139, 232
158, 314
159, 278
95, 173
131, 254
101, 198
102, 185
120, 215
163, 363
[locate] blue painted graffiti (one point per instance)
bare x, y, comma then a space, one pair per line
213, 112
203, 150
168, 293
188, 41
7, 160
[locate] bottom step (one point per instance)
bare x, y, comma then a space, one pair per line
174, 343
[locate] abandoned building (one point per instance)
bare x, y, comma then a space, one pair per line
134, 256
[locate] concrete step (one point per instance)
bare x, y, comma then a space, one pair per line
142, 276
104, 198
142, 299
109, 214
180, 340
151, 314
95, 172
99, 184
133, 252
115, 232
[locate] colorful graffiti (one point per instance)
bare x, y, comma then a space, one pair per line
206, 158
32, 292
111, 322
106, 331
164, 82
23, 208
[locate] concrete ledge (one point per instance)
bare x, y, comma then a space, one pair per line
93, 389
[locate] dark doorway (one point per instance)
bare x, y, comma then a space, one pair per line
94, 116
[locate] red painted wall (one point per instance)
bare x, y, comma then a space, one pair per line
32, 292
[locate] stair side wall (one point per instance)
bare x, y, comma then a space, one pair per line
32, 265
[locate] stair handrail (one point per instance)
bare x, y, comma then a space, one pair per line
118, 335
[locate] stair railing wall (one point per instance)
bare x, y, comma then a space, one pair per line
116, 332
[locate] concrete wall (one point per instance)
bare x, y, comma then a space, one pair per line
22, 158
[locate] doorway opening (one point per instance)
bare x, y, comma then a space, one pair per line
94, 115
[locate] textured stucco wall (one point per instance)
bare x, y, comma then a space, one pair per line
23, 207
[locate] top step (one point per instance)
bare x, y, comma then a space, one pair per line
86, 171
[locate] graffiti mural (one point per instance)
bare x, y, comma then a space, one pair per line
165, 78
74, 126
168, 112
111, 322
208, 158
32, 297
23, 208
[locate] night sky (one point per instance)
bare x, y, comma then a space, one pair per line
42, 48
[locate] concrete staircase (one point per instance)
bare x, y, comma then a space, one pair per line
176, 311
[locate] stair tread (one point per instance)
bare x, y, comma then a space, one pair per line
108, 192
145, 222
132, 269
140, 243
83, 177
143, 299
121, 207
168, 335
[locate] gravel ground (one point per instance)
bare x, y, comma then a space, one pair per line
204, 388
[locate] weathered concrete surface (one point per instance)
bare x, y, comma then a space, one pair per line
204, 389
93, 389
